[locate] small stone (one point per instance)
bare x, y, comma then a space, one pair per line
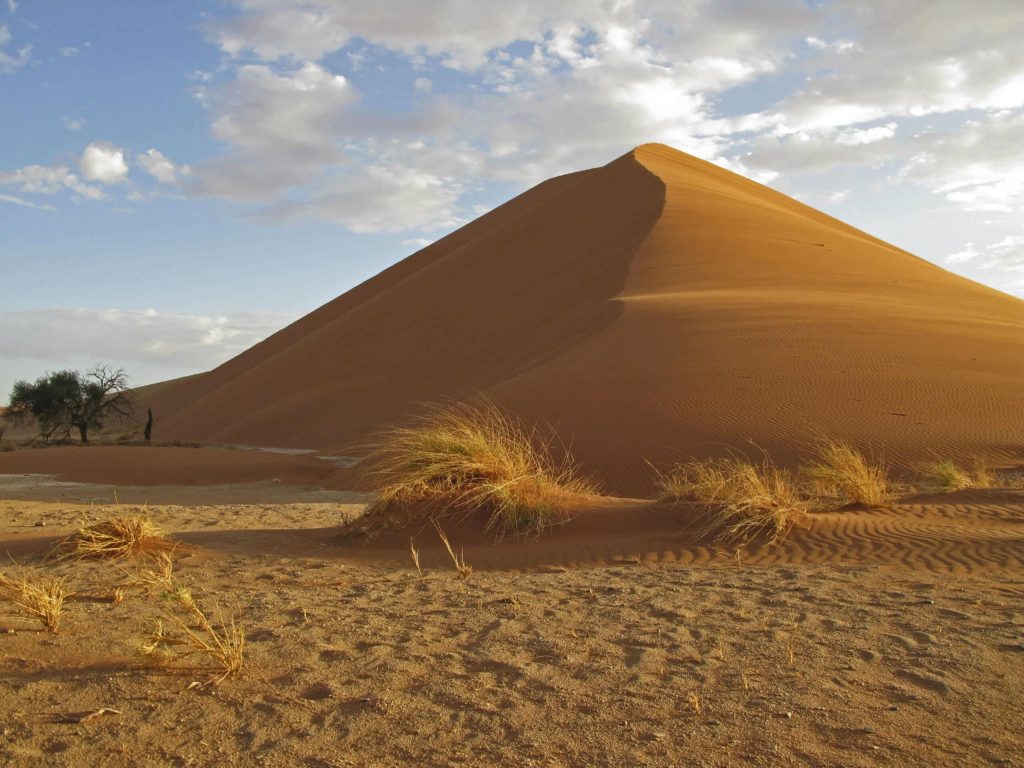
789, 715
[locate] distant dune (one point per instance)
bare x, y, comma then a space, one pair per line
655, 308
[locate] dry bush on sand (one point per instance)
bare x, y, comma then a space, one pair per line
841, 470
741, 499
462, 458
187, 631
123, 535
42, 598
946, 475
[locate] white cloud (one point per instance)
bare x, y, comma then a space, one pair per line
853, 138
591, 83
1007, 253
954, 61
68, 52
48, 180
104, 163
839, 46
381, 199
979, 166
156, 164
283, 128
417, 242
188, 342
24, 203
968, 253
15, 60
74, 123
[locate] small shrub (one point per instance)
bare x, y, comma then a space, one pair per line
223, 646
191, 632
464, 458
946, 475
120, 536
42, 598
841, 470
741, 499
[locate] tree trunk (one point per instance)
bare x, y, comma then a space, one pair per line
149, 424
83, 430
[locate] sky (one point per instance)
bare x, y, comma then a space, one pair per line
179, 180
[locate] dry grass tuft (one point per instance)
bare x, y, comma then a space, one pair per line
742, 499
946, 475
156, 575
42, 598
192, 633
120, 536
841, 470
461, 567
464, 458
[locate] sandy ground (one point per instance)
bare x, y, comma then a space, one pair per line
617, 655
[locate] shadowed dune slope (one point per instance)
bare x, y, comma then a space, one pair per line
652, 309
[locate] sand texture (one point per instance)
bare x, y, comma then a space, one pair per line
354, 659
655, 308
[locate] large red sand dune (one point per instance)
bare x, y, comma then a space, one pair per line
651, 309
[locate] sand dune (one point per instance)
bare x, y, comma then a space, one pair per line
655, 308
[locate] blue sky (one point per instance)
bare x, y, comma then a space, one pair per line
178, 180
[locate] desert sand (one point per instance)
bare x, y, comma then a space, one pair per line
848, 645
656, 308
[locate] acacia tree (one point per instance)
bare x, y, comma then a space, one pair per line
68, 400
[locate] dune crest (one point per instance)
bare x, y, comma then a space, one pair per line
655, 308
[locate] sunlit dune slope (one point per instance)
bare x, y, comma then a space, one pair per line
652, 309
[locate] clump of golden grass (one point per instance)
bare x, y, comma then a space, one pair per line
158, 574
222, 644
946, 475
42, 598
741, 499
463, 458
461, 566
121, 536
840, 469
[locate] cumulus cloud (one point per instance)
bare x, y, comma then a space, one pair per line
561, 86
283, 129
104, 163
